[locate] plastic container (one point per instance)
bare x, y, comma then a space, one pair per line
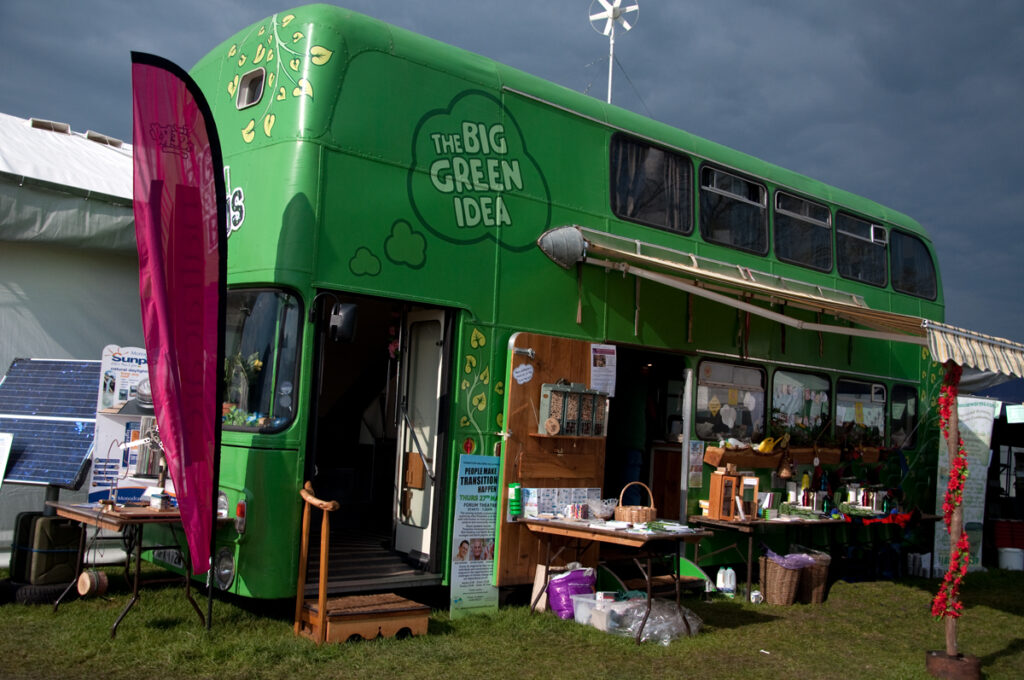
1011, 558
582, 607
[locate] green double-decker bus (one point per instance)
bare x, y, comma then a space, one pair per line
422, 240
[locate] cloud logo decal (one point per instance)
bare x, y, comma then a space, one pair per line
405, 246
472, 177
364, 263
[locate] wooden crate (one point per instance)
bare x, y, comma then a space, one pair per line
364, 616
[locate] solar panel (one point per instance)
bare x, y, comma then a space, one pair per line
49, 405
50, 387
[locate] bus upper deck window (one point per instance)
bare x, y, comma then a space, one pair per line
803, 232
250, 88
733, 211
650, 185
913, 271
860, 250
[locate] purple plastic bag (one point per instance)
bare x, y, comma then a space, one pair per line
561, 588
792, 560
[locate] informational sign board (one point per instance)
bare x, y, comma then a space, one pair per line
122, 474
476, 505
976, 416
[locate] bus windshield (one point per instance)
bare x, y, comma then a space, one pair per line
260, 358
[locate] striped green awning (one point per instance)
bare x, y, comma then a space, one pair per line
977, 350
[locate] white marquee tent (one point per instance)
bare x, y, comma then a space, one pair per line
68, 264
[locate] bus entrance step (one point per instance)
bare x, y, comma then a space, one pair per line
365, 617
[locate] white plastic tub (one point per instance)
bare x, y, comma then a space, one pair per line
1011, 558
583, 606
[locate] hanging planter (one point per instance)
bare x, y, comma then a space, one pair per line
744, 459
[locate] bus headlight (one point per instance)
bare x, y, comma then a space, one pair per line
224, 568
222, 504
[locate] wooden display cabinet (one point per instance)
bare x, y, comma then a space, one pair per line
722, 498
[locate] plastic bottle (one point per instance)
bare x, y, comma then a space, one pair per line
805, 481
720, 579
730, 581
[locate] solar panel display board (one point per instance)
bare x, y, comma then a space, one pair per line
49, 405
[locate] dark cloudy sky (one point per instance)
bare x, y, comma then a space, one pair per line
917, 105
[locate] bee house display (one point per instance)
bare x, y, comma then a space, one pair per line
722, 496
570, 409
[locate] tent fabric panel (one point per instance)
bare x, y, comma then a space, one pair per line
35, 214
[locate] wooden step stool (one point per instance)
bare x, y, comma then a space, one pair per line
339, 619
365, 616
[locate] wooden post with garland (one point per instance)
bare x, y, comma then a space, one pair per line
947, 603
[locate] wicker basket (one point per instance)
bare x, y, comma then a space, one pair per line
814, 579
635, 513
778, 584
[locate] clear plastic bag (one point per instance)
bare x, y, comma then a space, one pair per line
603, 509
664, 625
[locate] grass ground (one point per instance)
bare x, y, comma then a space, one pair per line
874, 630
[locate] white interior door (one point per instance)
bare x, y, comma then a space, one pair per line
418, 431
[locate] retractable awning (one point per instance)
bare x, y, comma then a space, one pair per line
742, 288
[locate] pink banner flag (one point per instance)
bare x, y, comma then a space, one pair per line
179, 218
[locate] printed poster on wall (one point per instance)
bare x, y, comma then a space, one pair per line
695, 476
476, 505
602, 368
976, 416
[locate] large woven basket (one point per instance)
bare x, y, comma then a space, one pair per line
635, 513
778, 584
813, 579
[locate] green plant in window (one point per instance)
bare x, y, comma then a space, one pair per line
240, 372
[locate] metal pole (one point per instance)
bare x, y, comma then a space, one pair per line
611, 60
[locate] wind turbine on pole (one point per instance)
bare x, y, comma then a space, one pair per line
609, 13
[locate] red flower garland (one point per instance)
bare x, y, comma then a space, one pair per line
947, 601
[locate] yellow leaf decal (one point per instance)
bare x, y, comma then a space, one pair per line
499, 387
480, 401
270, 56
233, 86
281, 94
297, 36
263, 29
233, 51
268, 123
477, 339
248, 132
260, 53
470, 363
485, 377
465, 384
321, 55
241, 60
287, 20
294, 63
463, 421
304, 88
270, 78
500, 420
